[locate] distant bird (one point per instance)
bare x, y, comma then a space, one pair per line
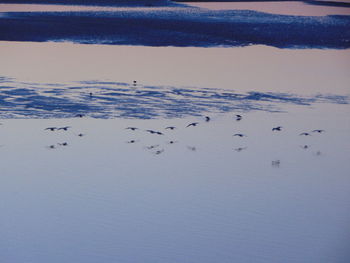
277, 128
318, 131
79, 115
170, 128
304, 134
63, 144
151, 131
64, 128
240, 135
80, 135
192, 124
159, 133
51, 128
207, 118
238, 117
159, 151
134, 82
240, 149
192, 148
51, 146
172, 142
131, 141
90, 94
276, 163
305, 147
131, 128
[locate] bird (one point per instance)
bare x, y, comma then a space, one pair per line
131, 141
192, 124
305, 147
207, 119
64, 128
79, 115
318, 131
239, 135
170, 128
277, 128
240, 149
134, 82
159, 151
172, 142
192, 148
51, 128
51, 146
63, 144
159, 133
238, 117
80, 135
276, 163
151, 131
304, 134
131, 128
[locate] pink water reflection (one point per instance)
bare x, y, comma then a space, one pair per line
284, 8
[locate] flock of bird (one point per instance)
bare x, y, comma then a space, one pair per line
156, 148
237, 117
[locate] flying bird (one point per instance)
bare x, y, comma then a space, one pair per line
64, 128
159, 151
192, 148
279, 128
240, 135
318, 131
192, 124
207, 118
240, 149
79, 115
51, 128
170, 128
131, 128
63, 144
304, 134
238, 117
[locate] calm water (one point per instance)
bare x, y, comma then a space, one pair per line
99, 192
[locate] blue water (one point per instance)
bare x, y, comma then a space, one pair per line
180, 26
112, 99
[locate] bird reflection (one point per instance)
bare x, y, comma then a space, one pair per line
152, 147
239, 149
192, 148
276, 163
159, 152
